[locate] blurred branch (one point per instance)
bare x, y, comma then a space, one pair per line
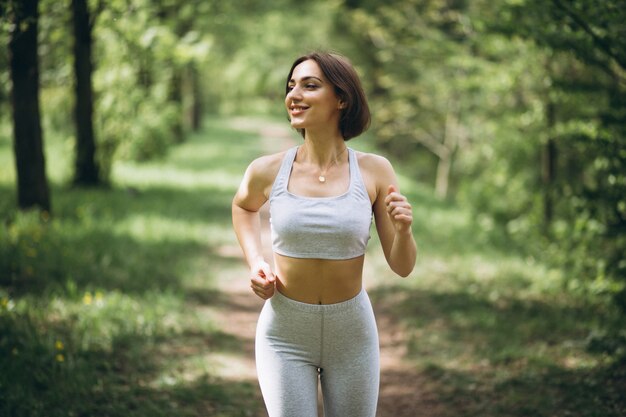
95, 13
600, 42
429, 141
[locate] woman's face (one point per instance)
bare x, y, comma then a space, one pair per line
311, 100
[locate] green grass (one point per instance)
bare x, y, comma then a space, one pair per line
105, 307
493, 331
99, 304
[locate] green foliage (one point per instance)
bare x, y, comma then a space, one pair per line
98, 304
252, 63
583, 105
140, 55
484, 89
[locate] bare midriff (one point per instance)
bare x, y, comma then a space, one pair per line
319, 281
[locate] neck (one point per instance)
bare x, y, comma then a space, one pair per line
320, 151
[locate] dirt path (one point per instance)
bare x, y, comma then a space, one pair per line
403, 391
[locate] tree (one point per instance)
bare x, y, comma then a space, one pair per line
421, 107
86, 169
32, 185
584, 138
150, 61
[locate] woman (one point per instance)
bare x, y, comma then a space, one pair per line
318, 320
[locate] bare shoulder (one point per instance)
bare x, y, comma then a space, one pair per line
373, 164
377, 173
262, 172
266, 167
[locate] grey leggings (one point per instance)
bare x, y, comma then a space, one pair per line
297, 342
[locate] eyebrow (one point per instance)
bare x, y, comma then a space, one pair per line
308, 77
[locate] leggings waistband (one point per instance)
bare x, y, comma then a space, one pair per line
344, 306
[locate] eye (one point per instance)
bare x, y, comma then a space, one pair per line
311, 86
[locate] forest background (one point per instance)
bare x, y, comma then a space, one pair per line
514, 110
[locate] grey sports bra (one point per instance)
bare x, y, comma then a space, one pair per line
335, 227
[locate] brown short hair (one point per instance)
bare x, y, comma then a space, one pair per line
355, 118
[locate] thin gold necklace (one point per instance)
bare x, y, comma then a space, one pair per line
322, 176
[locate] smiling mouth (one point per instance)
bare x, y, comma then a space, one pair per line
295, 110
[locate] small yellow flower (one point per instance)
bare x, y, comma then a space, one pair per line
4, 302
87, 298
59, 357
59, 345
99, 296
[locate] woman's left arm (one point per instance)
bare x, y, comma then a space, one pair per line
394, 217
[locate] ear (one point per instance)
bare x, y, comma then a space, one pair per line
342, 104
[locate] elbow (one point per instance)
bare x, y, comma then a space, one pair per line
402, 262
405, 267
403, 273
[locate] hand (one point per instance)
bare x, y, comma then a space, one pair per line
399, 210
262, 280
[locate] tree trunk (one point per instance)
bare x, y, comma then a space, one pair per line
443, 177
175, 95
450, 143
548, 168
32, 185
86, 169
195, 110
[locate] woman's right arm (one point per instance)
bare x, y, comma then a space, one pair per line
253, 192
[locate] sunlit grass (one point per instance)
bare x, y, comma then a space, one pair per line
174, 177
154, 228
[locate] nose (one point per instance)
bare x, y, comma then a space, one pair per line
294, 95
